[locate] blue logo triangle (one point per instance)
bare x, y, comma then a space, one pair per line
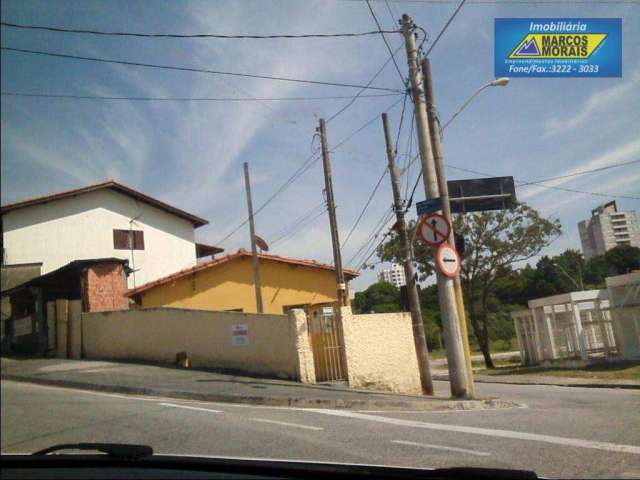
528, 49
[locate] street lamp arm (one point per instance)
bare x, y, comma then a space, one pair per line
464, 105
498, 82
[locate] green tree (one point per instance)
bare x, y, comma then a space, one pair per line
380, 297
622, 259
595, 271
493, 242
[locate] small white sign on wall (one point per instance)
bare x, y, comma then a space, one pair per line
240, 334
22, 326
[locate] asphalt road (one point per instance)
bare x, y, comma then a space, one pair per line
562, 432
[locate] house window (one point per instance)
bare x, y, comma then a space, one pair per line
128, 239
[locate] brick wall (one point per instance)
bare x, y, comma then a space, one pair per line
105, 287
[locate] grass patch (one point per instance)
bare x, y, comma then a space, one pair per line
499, 362
438, 353
605, 371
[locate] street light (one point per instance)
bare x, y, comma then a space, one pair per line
498, 82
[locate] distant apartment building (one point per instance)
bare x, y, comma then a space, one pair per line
393, 275
608, 228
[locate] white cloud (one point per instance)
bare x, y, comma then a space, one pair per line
627, 152
598, 101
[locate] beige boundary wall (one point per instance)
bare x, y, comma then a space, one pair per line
380, 352
275, 345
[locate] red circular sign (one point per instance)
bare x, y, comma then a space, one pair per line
434, 229
448, 260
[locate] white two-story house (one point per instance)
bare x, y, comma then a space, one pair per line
102, 221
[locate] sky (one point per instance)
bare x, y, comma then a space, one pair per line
191, 154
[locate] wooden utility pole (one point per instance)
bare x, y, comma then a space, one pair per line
419, 338
434, 129
333, 223
446, 292
254, 248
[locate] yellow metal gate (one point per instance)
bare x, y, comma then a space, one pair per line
327, 343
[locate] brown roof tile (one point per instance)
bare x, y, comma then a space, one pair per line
113, 185
350, 274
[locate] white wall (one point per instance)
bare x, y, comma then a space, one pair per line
81, 227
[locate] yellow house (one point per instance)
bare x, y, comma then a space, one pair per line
226, 283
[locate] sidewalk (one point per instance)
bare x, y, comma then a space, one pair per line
167, 381
533, 379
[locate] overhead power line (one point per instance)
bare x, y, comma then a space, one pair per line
375, 249
375, 19
197, 70
283, 232
373, 235
554, 187
359, 94
191, 35
444, 29
194, 99
364, 209
306, 165
377, 185
518, 2
294, 230
540, 183
582, 172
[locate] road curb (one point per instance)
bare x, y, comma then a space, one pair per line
299, 402
626, 386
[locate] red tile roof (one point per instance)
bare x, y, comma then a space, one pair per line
112, 185
349, 274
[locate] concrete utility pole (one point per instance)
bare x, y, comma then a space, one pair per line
254, 249
448, 308
434, 130
335, 239
419, 339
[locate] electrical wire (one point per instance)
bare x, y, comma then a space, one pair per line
377, 185
194, 99
554, 187
404, 107
282, 233
359, 94
197, 70
540, 183
364, 209
364, 263
373, 14
394, 18
582, 172
408, 168
444, 29
518, 2
372, 234
191, 35
366, 245
306, 165
365, 125
298, 228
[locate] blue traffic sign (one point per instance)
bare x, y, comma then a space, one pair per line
428, 206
